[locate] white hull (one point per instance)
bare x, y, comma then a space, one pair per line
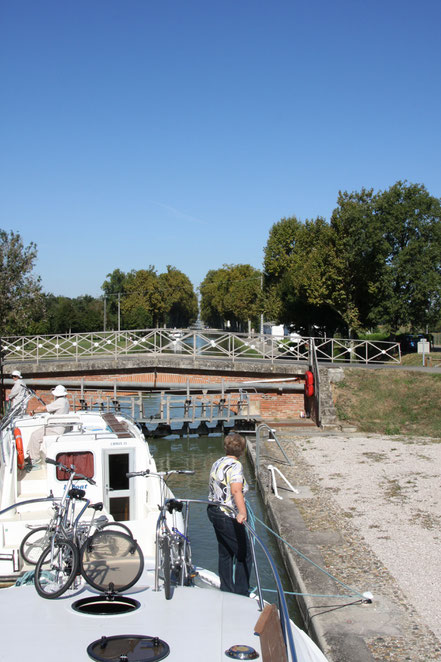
133, 502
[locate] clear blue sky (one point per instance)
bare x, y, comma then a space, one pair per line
155, 132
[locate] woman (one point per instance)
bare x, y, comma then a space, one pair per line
228, 486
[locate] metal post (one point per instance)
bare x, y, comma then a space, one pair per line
119, 312
2, 386
259, 586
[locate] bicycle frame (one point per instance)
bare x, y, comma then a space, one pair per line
174, 536
64, 522
163, 529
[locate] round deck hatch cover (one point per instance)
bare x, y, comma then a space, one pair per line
240, 652
111, 561
104, 605
128, 648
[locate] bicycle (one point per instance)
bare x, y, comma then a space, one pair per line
61, 564
39, 537
173, 551
58, 564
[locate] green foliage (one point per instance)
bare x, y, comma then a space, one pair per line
378, 261
234, 294
114, 289
151, 300
411, 222
20, 291
65, 315
143, 306
181, 304
373, 336
299, 274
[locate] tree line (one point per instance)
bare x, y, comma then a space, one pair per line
135, 300
376, 263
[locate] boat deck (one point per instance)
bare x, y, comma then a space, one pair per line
197, 624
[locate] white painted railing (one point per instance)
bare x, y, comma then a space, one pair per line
197, 344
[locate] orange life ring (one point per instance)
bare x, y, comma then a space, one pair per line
309, 384
19, 446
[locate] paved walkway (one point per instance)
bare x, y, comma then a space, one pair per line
369, 511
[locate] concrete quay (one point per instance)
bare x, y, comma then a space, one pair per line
368, 512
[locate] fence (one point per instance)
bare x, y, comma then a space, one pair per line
207, 343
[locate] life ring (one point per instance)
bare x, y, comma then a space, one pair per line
19, 446
309, 384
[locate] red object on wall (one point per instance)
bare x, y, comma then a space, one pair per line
309, 384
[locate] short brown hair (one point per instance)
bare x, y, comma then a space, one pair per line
234, 444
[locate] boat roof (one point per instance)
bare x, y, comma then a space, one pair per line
198, 624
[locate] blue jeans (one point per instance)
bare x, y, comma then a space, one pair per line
233, 546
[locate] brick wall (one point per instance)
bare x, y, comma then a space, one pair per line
273, 405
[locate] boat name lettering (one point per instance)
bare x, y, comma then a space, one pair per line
118, 443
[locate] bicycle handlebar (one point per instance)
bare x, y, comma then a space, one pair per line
70, 470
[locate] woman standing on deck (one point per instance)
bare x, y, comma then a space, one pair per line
228, 486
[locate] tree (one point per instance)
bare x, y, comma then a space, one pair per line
20, 290
114, 289
280, 247
357, 260
232, 293
179, 298
143, 305
212, 293
378, 261
297, 274
411, 222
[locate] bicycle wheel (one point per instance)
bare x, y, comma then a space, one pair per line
110, 560
56, 569
117, 526
166, 567
34, 543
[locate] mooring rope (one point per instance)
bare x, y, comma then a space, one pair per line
252, 519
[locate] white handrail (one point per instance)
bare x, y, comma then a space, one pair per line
197, 344
272, 471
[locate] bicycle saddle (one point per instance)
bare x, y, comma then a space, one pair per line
76, 493
97, 506
173, 504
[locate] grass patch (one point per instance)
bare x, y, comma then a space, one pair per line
390, 402
417, 359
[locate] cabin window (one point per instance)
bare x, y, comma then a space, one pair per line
83, 463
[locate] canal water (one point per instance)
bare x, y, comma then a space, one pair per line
198, 454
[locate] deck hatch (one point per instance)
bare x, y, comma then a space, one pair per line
128, 648
106, 605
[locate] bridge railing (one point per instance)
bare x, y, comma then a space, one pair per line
197, 344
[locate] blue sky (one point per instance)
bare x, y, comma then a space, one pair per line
141, 132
